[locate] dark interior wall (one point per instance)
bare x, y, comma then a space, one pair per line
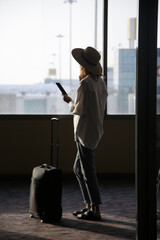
116, 151
25, 144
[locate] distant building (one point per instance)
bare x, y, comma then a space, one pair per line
132, 30
7, 103
35, 98
124, 79
124, 76
45, 98
110, 85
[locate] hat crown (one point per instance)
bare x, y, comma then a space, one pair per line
91, 55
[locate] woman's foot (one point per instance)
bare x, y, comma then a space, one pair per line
88, 206
90, 215
80, 211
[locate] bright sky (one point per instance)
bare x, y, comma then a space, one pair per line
29, 45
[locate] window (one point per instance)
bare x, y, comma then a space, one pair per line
36, 41
122, 44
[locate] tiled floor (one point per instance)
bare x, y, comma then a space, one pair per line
118, 213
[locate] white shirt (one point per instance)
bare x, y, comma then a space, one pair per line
88, 110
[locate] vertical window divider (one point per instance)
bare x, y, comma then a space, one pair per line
146, 121
105, 41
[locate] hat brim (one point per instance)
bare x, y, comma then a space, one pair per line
77, 53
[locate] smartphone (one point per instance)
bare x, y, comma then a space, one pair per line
61, 88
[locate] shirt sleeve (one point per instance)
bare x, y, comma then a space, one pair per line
78, 107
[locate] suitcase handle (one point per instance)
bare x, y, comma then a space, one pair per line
57, 142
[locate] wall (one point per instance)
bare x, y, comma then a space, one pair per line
25, 144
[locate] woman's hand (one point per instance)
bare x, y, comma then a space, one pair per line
66, 98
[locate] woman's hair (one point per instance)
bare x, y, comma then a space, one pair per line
84, 73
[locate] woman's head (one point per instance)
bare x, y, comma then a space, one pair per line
84, 73
89, 58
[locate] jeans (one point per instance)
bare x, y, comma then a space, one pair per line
84, 169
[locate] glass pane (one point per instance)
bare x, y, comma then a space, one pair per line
35, 45
122, 44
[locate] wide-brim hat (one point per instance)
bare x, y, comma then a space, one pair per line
89, 59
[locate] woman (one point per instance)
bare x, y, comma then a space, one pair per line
88, 110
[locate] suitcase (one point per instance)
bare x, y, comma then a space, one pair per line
46, 187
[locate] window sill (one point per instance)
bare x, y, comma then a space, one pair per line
60, 116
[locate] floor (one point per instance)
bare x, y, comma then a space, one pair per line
118, 213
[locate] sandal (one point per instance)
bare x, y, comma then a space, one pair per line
89, 215
80, 211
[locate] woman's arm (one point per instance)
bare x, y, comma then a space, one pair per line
78, 107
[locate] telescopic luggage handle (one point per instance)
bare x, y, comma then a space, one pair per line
57, 142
